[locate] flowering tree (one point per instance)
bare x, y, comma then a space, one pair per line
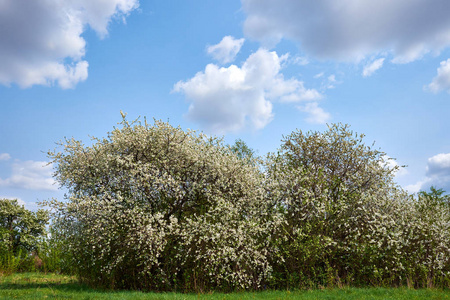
155, 207
338, 203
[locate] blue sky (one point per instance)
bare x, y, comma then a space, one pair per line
250, 69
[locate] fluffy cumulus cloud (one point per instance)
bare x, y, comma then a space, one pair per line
442, 80
437, 175
439, 165
370, 68
438, 172
350, 30
225, 51
31, 175
41, 41
229, 99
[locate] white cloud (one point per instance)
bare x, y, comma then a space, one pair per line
225, 51
350, 30
300, 60
417, 187
31, 175
229, 99
369, 69
439, 165
442, 80
319, 75
5, 156
41, 41
316, 114
437, 175
331, 82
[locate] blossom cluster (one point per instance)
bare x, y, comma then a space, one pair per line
154, 207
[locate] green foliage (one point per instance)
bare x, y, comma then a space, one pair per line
244, 152
435, 199
52, 257
19, 227
21, 232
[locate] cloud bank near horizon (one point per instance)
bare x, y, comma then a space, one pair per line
29, 175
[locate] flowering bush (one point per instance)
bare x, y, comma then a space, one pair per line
344, 220
154, 207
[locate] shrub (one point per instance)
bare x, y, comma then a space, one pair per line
338, 205
426, 240
154, 207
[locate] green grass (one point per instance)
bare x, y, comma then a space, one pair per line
49, 286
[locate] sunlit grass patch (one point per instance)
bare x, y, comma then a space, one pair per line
52, 286
36, 278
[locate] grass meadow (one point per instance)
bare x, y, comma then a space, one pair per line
51, 286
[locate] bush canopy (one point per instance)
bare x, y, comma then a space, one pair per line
155, 207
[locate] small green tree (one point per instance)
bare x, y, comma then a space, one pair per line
20, 229
244, 152
21, 234
435, 198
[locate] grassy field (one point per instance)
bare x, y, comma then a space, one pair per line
41, 286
